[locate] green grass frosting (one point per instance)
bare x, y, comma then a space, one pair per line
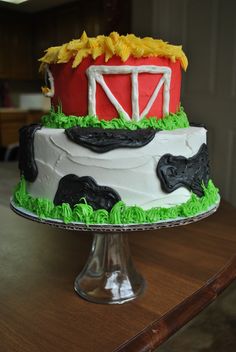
119, 214
57, 119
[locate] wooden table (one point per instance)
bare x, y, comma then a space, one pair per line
185, 268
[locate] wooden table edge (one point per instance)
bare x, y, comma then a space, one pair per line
161, 329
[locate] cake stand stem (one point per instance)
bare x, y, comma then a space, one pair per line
109, 275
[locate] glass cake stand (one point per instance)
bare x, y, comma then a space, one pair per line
109, 275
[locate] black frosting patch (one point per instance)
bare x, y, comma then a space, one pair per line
197, 124
72, 188
102, 140
178, 171
27, 164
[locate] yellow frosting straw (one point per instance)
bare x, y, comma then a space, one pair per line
114, 44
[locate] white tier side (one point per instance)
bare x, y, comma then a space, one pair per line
131, 172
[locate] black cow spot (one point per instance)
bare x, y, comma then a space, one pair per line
102, 140
27, 164
72, 188
178, 171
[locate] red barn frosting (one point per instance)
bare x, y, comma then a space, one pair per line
114, 75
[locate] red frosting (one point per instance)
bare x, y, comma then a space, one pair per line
71, 87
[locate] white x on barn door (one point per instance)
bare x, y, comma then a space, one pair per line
95, 75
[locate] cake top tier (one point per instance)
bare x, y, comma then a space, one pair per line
112, 45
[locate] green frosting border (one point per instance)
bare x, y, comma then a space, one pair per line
119, 214
57, 119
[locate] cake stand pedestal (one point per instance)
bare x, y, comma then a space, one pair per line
109, 275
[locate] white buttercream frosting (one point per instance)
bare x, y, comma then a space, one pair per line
131, 172
48, 75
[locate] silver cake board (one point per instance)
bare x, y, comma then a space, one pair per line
114, 227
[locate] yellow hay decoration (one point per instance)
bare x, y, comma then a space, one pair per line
114, 44
45, 90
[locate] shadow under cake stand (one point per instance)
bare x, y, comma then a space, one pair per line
109, 275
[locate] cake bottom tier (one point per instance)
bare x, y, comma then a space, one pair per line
159, 175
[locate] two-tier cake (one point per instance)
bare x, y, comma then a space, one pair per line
116, 147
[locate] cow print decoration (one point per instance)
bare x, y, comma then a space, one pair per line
102, 140
72, 188
178, 171
27, 164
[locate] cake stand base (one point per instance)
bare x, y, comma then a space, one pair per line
109, 275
